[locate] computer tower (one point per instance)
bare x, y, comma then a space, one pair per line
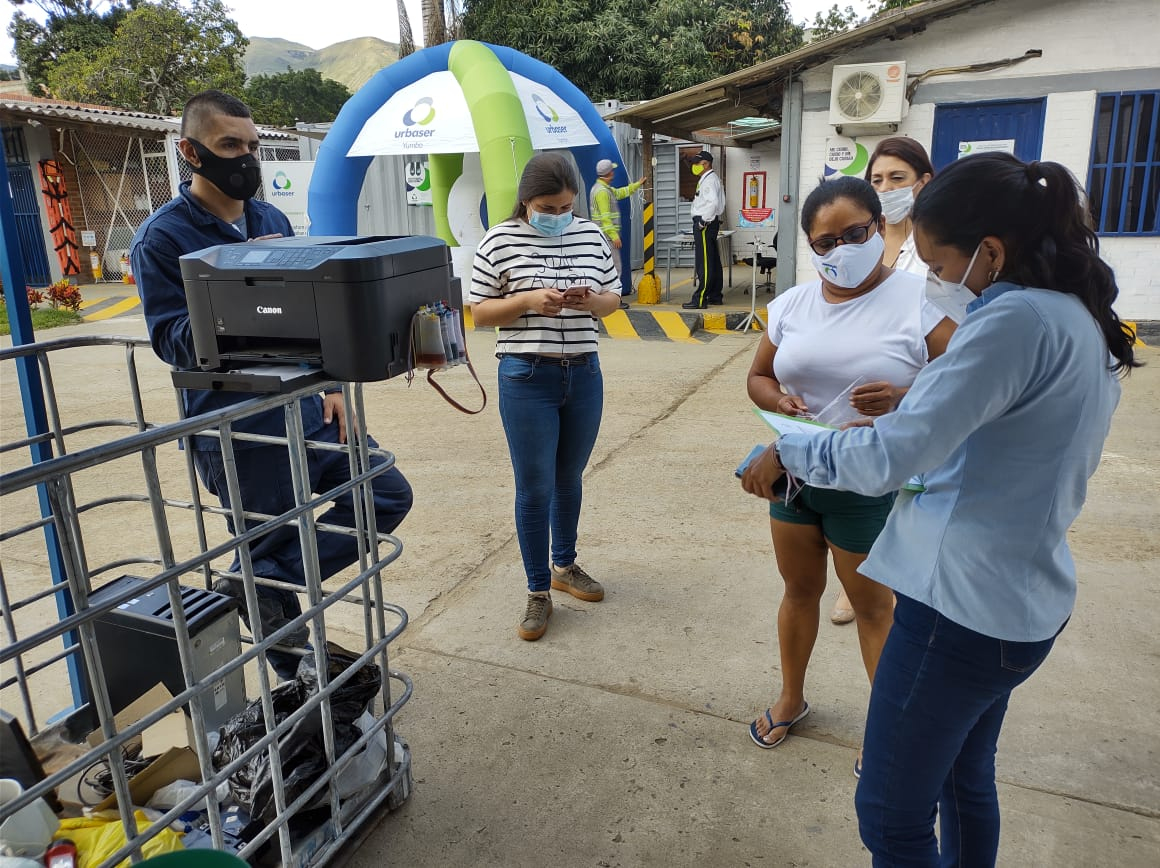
138, 646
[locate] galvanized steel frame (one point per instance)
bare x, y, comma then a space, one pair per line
55, 478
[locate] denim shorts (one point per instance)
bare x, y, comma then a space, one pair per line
850, 521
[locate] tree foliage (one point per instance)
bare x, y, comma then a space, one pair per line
833, 22
636, 49
149, 56
295, 95
71, 26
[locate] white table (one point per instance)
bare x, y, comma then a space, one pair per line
684, 241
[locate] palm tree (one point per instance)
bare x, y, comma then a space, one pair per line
454, 19
406, 40
434, 30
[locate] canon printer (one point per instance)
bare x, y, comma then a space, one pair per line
340, 304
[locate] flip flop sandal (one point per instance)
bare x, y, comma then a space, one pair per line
788, 724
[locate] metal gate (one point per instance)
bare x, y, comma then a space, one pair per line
26, 205
121, 181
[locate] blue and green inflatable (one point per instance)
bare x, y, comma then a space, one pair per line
501, 131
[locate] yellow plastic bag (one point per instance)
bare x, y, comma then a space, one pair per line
97, 839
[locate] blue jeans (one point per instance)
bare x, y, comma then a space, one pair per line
936, 708
551, 412
265, 485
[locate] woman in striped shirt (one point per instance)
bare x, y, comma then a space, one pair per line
542, 277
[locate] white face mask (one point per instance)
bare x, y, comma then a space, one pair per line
952, 298
847, 265
896, 204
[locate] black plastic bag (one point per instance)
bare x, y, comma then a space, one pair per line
301, 749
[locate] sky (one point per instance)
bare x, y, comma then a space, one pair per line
301, 20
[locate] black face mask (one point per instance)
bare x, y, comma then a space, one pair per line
237, 177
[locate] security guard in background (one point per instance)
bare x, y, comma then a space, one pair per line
708, 206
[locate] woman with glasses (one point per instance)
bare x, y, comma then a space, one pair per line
898, 170
854, 340
1006, 428
543, 276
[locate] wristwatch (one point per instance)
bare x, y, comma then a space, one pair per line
777, 455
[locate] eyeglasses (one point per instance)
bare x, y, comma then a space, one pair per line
854, 235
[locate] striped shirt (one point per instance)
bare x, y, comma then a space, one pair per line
513, 257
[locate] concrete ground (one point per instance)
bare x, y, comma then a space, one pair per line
619, 739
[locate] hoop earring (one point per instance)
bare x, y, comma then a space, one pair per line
993, 275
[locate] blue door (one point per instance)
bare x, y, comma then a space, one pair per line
26, 204
970, 127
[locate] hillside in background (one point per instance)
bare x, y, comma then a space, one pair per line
351, 62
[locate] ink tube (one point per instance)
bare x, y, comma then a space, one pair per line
459, 333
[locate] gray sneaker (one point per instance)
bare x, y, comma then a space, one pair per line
536, 616
573, 580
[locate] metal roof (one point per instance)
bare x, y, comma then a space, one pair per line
40, 109
692, 113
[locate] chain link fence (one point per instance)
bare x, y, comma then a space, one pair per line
120, 181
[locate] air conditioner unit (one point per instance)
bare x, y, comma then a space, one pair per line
868, 93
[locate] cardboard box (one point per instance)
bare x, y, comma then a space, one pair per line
173, 730
176, 764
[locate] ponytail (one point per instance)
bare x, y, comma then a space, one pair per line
1039, 212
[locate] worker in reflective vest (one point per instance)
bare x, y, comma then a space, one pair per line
604, 211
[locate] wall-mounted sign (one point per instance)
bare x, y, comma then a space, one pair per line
417, 175
287, 183
88, 238
844, 156
1003, 146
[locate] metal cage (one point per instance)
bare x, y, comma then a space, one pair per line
162, 534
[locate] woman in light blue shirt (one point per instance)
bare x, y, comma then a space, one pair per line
1006, 427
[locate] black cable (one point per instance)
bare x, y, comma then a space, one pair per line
101, 780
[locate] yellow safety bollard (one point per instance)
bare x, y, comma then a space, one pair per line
648, 290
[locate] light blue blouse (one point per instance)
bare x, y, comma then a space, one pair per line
1006, 427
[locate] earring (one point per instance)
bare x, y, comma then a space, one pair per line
992, 275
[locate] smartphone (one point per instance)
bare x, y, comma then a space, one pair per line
779, 487
577, 292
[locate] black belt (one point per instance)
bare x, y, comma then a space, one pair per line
562, 361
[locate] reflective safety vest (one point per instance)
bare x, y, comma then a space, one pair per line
602, 207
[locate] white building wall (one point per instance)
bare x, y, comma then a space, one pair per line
762, 157
1083, 42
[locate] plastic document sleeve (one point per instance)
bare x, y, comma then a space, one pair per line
793, 425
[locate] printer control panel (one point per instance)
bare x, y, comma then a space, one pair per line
247, 257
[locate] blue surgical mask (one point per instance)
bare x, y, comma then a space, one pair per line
549, 224
847, 265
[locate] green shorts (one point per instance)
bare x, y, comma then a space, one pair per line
850, 521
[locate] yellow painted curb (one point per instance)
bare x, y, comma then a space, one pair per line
714, 322
674, 326
619, 326
113, 310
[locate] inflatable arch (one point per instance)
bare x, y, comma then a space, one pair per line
457, 98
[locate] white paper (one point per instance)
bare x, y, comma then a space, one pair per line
792, 424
